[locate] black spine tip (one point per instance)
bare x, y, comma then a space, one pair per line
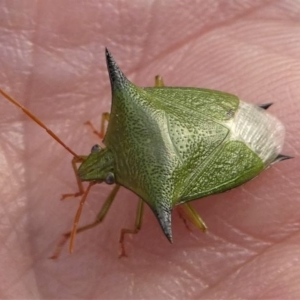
163, 215
266, 105
117, 78
282, 157
108, 55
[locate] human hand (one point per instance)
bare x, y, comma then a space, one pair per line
52, 60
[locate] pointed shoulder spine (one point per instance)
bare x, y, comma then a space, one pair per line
117, 78
164, 215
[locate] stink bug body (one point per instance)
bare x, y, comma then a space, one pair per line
172, 145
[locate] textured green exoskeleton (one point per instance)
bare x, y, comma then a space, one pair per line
171, 145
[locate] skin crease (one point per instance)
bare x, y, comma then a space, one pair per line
52, 60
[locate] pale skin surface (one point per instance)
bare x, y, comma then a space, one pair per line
52, 60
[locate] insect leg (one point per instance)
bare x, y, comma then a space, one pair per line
104, 119
181, 212
137, 226
159, 82
193, 216
80, 159
100, 217
80, 192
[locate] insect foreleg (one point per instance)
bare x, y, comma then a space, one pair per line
100, 217
80, 192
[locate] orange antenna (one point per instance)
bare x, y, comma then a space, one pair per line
38, 121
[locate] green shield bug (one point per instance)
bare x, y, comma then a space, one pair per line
172, 145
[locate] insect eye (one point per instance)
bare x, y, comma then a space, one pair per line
95, 148
110, 178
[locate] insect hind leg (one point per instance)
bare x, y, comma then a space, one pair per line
190, 214
158, 81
